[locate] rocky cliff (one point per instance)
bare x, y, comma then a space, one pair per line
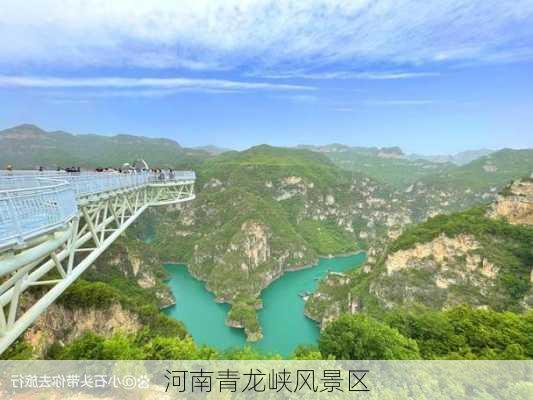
131, 261
61, 325
463, 258
265, 211
515, 203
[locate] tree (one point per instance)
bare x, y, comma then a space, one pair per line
360, 337
164, 348
87, 347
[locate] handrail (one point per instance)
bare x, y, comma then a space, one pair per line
33, 204
52, 183
31, 211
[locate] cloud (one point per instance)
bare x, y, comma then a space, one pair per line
300, 98
378, 75
142, 83
264, 35
400, 102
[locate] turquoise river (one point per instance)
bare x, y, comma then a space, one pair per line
282, 317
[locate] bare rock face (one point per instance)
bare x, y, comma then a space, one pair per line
331, 300
256, 243
432, 273
61, 324
290, 187
140, 264
442, 250
330, 200
515, 204
490, 168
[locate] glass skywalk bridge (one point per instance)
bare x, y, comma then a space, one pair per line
33, 203
54, 225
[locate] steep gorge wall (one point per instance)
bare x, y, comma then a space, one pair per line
515, 204
488, 268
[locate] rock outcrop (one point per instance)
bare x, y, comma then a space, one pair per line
60, 325
444, 251
474, 260
134, 260
515, 203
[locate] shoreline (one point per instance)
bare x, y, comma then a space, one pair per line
275, 278
295, 268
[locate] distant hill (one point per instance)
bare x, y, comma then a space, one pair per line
213, 150
387, 164
28, 146
490, 171
461, 158
384, 152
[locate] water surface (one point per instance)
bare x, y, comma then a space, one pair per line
282, 318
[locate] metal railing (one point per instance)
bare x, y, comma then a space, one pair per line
33, 203
32, 206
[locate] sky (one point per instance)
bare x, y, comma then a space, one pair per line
433, 76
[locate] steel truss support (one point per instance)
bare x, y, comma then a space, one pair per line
57, 260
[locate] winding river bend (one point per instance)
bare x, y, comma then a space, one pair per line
282, 318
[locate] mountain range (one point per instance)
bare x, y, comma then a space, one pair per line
267, 210
28, 147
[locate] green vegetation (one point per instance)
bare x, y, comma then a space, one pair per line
257, 214
325, 237
298, 205
19, 350
488, 267
466, 333
110, 282
457, 333
416, 333
265, 210
100, 295
360, 337
243, 313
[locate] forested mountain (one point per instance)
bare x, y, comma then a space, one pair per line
28, 147
477, 182
267, 210
482, 257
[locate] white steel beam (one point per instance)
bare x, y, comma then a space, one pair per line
100, 220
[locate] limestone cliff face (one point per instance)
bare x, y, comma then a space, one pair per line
515, 204
255, 244
332, 299
252, 259
440, 273
136, 261
62, 325
487, 265
445, 252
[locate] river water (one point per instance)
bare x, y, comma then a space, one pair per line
282, 318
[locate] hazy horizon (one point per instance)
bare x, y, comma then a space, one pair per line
242, 148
